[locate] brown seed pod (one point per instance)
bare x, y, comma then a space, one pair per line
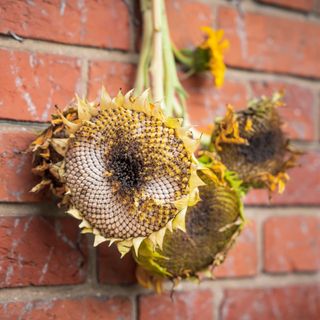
252, 143
211, 227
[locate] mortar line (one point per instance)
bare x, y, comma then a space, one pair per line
18, 123
263, 75
84, 290
317, 115
267, 212
92, 278
85, 52
259, 219
218, 296
15, 209
279, 280
26, 294
135, 307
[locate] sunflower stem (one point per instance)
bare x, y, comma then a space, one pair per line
184, 59
157, 66
156, 69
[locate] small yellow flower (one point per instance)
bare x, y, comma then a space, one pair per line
216, 46
208, 56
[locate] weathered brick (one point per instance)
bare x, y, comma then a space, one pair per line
206, 102
292, 244
102, 308
303, 187
15, 164
294, 303
303, 5
186, 17
31, 84
242, 259
189, 305
112, 269
41, 251
112, 75
260, 41
298, 114
103, 23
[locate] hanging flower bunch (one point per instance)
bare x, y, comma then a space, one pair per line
135, 174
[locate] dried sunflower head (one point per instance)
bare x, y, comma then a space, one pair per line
252, 143
121, 166
211, 227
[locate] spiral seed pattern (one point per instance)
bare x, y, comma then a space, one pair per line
125, 170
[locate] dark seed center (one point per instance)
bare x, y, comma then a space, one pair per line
126, 165
262, 146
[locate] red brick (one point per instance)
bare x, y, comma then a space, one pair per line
303, 187
206, 102
112, 75
294, 303
31, 84
303, 5
242, 259
260, 41
15, 164
41, 251
103, 23
101, 308
186, 17
298, 114
292, 244
190, 305
112, 269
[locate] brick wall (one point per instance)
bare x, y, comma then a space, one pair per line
47, 269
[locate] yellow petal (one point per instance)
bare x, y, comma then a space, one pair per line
59, 145
136, 244
83, 109
40, 185
84, 224
70, 126
179, 222
173, 122
124, 247
75, 213
105, 99
159, 236
98, 239
195, 181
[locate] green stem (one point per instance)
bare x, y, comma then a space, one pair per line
184, 59
142, 77
157, 54
173, 85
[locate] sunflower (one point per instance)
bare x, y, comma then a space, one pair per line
208, 56
252, 143
211, 228
213, 47
121, 167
